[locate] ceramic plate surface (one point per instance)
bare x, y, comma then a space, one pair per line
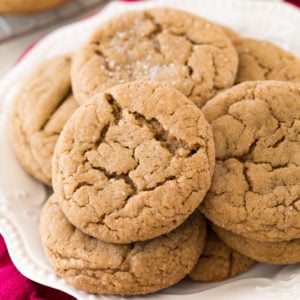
21, 197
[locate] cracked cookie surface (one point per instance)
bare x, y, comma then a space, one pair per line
166, 45
262, 60
133, 163
230, 33
255, 188
131, 269
42, 106
218, 261
279, 253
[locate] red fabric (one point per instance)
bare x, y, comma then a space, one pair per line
295, 2
14, 286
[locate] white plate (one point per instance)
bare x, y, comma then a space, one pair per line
21, 197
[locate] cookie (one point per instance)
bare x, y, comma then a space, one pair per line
166, 45
42, 105
231, 34
262, 60
255, 189
133, 163
279, 253
28, 6
218, 261
131, 269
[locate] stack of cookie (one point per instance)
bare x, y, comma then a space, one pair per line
139, 129
254, 197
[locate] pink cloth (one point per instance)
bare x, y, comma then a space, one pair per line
295, 2
14, 286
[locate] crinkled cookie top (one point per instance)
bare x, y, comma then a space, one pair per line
255, 190
133, 163
98, 267
262, 60
167, 45
42, 106
218, 261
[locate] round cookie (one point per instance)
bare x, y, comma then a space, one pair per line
165, 45
133, 163
42, 105
132, 269
231, 34
262, 60
28, 6
279, 253
255, 188
218, 261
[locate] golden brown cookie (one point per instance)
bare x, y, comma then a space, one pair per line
27, 6
255, 189
42, 105
167, 45
132, 269
262, 60
280, 253
231, 34
133, 163
218, 261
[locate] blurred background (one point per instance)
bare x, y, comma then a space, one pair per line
20, 27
